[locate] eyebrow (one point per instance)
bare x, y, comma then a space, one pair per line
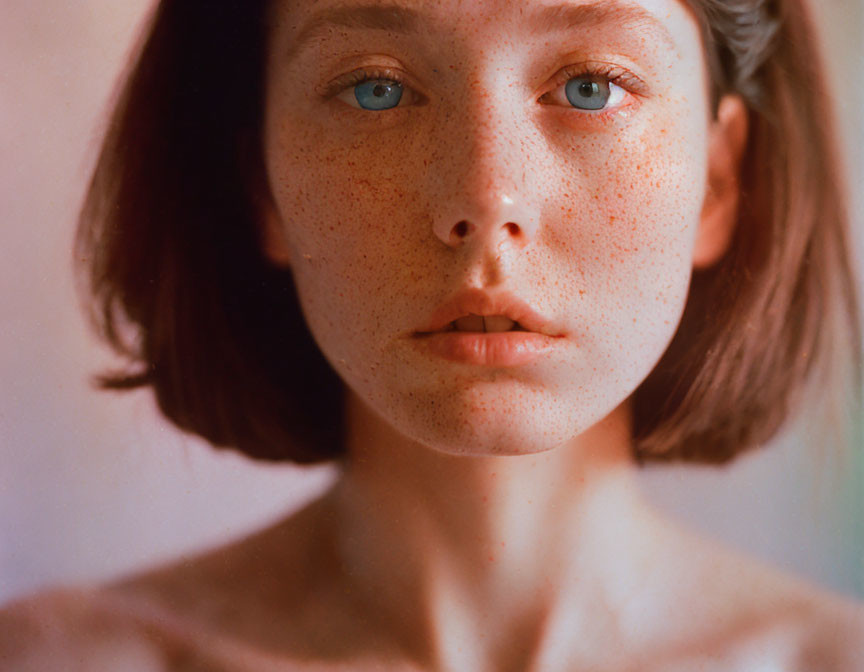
395, 18
549, 19
568, 17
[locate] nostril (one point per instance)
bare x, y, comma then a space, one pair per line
461, 229
513, 228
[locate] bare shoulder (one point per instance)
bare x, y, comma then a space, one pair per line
272, 600
72, 629
239, 607
254, 589
791, 623
725, 610
832, 631
810, 630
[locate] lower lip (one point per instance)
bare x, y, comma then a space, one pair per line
507, 348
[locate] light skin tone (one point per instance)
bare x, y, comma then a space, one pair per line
594, 217
487, 518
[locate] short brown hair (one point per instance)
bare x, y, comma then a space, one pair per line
169, 242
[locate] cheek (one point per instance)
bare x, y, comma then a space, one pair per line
629, 236
337, 198
352, 231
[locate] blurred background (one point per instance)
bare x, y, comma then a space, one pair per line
94, 485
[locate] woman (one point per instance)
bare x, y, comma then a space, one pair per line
490, 256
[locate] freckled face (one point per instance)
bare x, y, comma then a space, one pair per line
587, 131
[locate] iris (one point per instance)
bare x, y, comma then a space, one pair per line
587, 93
378, 94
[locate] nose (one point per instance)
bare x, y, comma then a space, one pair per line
487, 218
484, 192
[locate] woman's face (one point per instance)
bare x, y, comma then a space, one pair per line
557, 152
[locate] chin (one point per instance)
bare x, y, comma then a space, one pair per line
487, 421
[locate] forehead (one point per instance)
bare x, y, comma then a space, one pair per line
660, 21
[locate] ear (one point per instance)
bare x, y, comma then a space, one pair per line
273, 241
726, 145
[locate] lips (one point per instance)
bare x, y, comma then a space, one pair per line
503, 349
484, 324
474, 310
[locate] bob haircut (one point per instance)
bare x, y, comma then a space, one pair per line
170, 248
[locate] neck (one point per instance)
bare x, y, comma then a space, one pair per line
472, 556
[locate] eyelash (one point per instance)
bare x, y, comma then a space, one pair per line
614, 74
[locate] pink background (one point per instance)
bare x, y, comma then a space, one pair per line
93, 485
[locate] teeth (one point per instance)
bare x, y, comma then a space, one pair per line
498, 323
469, 323
490, 323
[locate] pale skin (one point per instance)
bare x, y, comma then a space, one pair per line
486, 519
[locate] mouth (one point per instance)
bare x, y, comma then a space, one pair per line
486, 340
479, 324
475, 311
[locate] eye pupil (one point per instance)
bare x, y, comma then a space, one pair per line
587, 93
588, 89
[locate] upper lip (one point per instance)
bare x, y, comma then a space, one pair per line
478, 302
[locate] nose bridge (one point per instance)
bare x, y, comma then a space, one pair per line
484, 168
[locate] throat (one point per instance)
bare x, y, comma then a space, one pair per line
430, 539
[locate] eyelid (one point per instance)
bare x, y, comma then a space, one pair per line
345, 82
614, 74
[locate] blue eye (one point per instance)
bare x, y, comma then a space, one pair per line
378, 94
588, 93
